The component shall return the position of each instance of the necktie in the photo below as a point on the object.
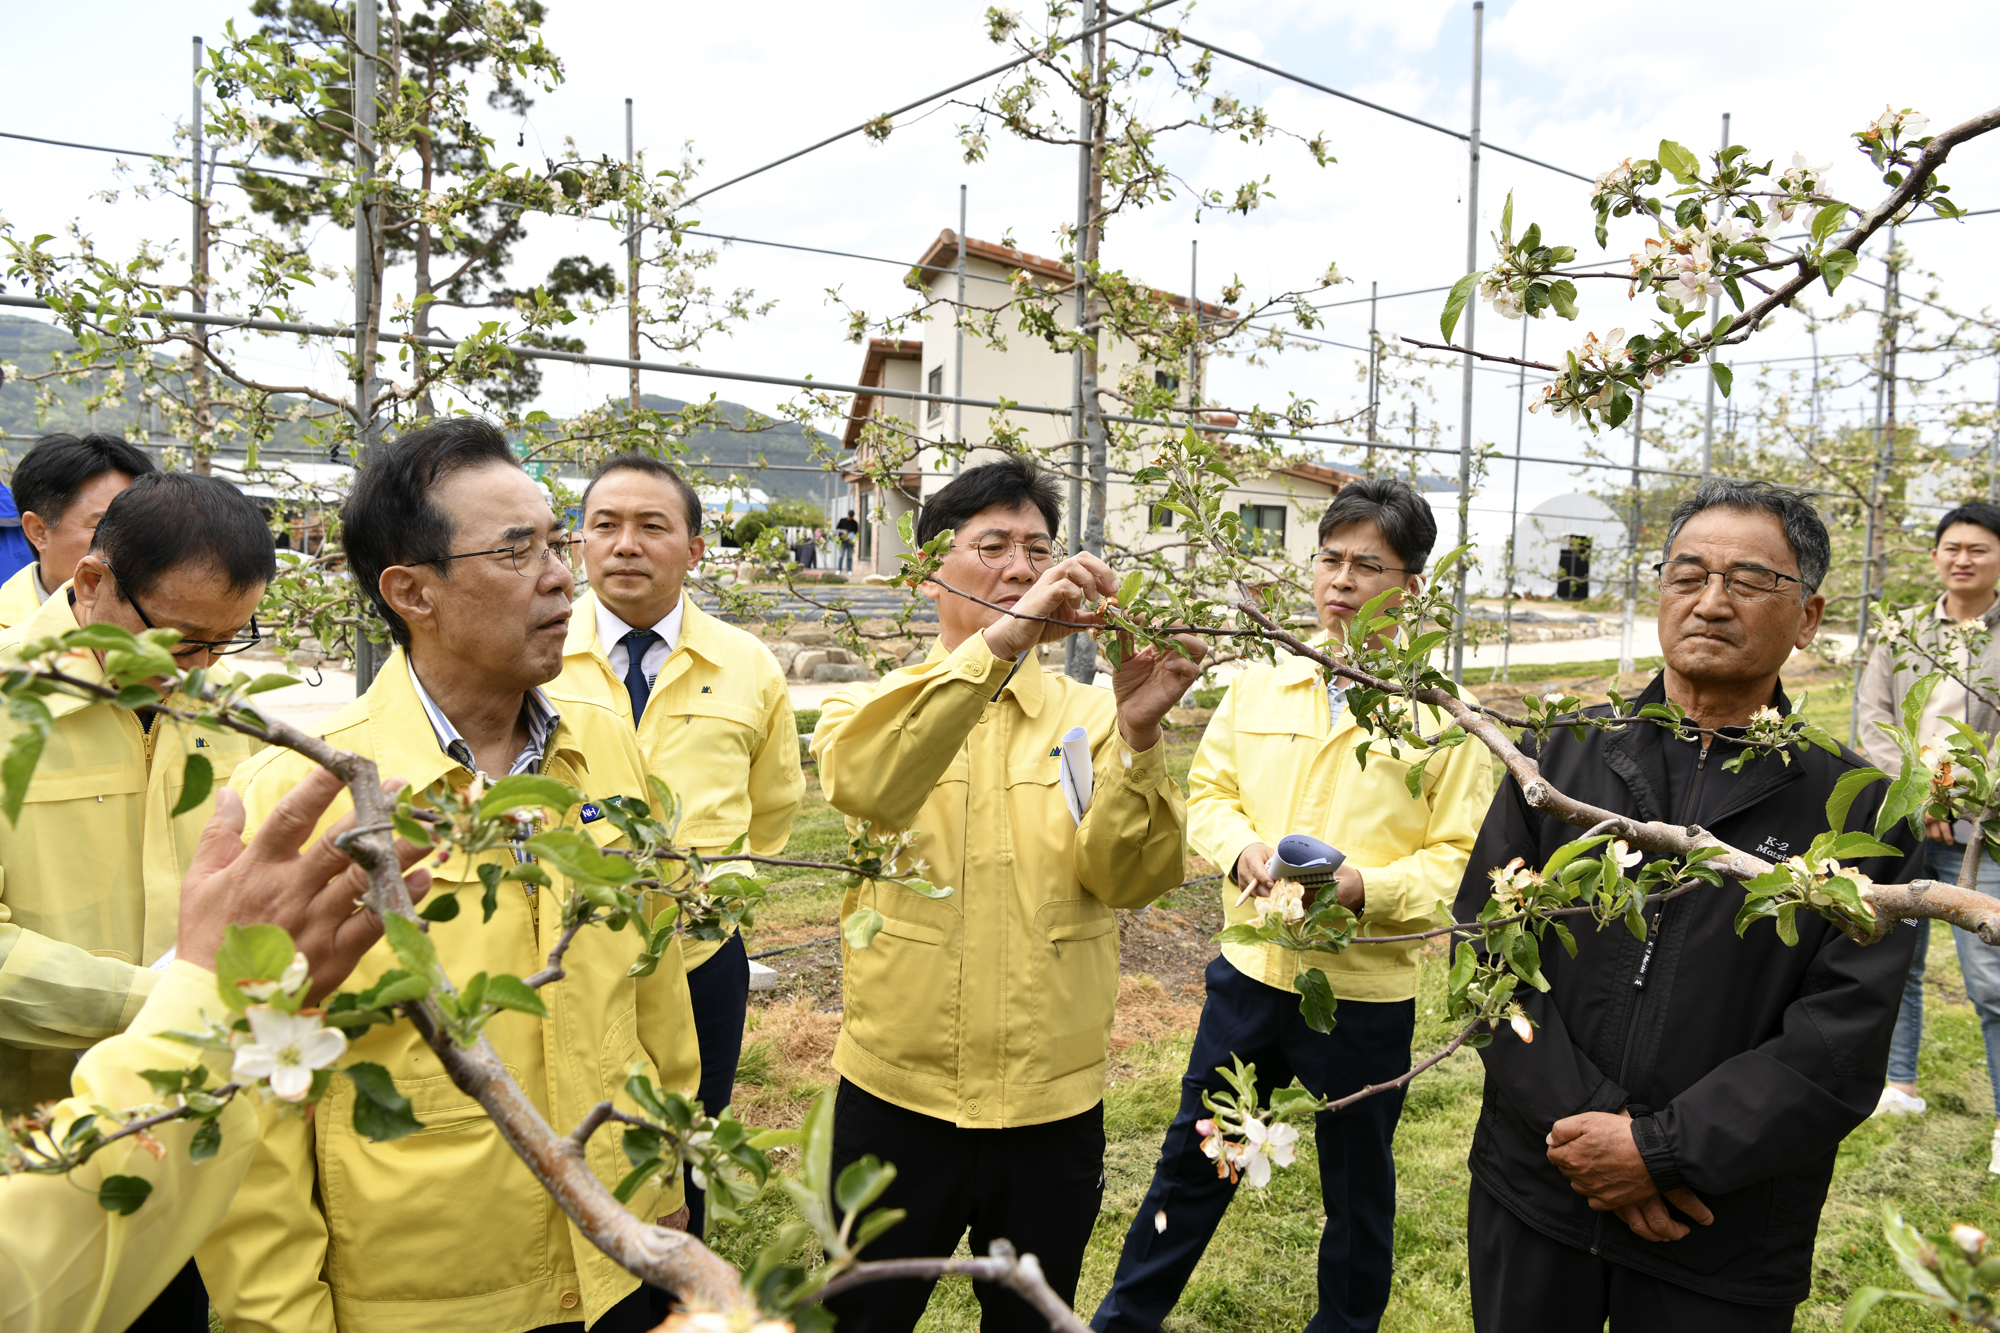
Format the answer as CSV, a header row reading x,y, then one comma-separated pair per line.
x,y
636,685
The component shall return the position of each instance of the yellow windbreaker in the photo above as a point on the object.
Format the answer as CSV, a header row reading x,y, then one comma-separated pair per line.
x,y
992,1007
446,1229
1269,765
718,729
60,1249
18,598
90,876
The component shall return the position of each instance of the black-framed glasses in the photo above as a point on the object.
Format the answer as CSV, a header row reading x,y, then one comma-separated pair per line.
x,y
248,637
1748,583
998,552
529,556
1332,562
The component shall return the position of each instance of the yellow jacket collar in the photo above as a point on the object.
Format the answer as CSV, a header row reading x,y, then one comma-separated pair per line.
x,y
399,731
700,631
1028,683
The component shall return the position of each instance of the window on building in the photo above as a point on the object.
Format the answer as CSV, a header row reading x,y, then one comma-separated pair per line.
x,y
935,387
1161,379
1573,569
1263,527
1159,517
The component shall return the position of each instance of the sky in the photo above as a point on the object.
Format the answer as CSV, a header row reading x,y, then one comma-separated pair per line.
x,y
1577,85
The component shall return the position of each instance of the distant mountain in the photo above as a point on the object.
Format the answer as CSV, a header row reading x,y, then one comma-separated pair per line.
x,y
28,344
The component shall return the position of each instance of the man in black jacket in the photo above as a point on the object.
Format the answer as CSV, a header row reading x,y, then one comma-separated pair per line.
x,y
1659,1154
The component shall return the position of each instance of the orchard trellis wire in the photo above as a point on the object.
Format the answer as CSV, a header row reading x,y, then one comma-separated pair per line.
x,y
1097,19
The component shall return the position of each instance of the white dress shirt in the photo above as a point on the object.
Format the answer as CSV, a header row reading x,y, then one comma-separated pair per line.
x,y
611,632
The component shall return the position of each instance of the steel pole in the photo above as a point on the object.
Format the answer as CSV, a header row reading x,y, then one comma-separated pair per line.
x,y
1514,506
1880,479
1465,415
1080,651
1374,375
958,345
1714,317
1194,348
197,271
366,39
1628,616
631,268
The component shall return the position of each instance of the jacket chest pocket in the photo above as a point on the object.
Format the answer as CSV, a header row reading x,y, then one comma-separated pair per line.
x,y
702,749
1073,979
1039,824
410,1198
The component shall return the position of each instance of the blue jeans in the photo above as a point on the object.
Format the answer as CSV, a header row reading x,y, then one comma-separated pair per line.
x,y
1357,1170
1978,961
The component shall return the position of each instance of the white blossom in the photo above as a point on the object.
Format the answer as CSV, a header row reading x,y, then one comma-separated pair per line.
x,y
1970,1239
293,978
286,1049
1287,902
1522,1027
1625,856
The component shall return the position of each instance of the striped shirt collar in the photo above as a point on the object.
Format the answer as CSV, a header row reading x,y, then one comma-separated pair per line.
x,y
542,722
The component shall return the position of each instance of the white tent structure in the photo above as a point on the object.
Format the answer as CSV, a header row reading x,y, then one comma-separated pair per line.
x,y
1566,545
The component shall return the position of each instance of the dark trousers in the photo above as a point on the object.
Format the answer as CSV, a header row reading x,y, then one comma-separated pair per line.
x,y
1038,1186
1524,1282
720,992
1357,1171
181,1308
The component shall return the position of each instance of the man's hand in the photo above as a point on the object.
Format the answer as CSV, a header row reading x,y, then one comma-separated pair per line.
x,y
314,895
1253,873
1059,594
1938,830
1150,682
1353,890
1596,1152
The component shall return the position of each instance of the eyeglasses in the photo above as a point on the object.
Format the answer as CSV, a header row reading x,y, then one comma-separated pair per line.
x,y
530,556
247,638
1685,578
998,552
1367,569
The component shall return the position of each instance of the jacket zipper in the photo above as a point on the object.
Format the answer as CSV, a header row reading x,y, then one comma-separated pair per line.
x,y
1645,966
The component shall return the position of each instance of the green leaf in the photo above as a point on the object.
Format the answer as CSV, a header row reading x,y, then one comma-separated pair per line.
x,y
250,953
1827,221
862,1183
577,856
439,906
1844,792
1918,699
380,1112
1454,304
123,1194
24,751
270,680
1862,1303
527,791
634,1178
206,1141
1725,378
1835,265
875,1224
489,898
1569,851
197,780
1506,221
1129,590
412,947
1562,295
1684,165
510,992
1316,1002
137,696
861,928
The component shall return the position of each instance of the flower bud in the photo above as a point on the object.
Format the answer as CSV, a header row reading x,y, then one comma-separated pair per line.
x,y
1522,1028
1970,1239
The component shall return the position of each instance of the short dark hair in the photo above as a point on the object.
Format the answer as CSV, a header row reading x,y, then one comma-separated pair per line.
x,y
1976,512
389,518
652,467
57,466
1011,482
1805,532
1404,517
165,520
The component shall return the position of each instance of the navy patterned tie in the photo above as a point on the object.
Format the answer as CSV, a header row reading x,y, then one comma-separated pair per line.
x,y
636,685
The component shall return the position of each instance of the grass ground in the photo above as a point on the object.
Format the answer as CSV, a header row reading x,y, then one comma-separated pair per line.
x,y
1259,1271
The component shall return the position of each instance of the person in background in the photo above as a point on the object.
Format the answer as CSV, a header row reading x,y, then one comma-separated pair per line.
x,y
845,532
1277,758
90,874
1967,559
60,1249
973,1040
1656,1149
709,704
462,557
62,486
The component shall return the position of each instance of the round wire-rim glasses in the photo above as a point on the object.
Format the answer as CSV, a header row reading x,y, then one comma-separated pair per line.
x,y
1685,578
564,548
998,552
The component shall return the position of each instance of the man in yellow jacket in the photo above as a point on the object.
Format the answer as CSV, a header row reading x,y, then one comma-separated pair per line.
x,y
1277,758
464,560
62,487
973,1040
68,1264
90,873
714,720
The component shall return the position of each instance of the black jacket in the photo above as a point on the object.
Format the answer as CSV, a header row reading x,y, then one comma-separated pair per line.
x,y
1754,1059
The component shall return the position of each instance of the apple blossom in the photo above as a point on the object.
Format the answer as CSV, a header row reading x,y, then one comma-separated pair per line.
x,y
286,1049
